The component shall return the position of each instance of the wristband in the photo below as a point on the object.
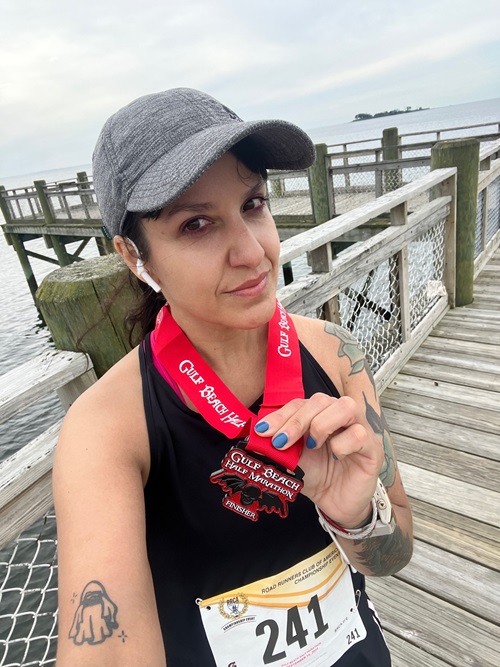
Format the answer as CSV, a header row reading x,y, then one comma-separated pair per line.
x,y
381,522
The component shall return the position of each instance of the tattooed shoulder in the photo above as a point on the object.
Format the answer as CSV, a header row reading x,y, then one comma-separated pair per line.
x,y
351,349
96,616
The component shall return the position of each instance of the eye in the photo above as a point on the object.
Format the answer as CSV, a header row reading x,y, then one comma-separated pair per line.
x,y
255,203
195,225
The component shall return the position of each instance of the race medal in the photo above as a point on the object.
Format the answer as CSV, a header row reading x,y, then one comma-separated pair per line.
x,y
254,485
250,484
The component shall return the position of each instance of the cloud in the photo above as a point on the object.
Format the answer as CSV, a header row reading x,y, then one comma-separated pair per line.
x,y
67,66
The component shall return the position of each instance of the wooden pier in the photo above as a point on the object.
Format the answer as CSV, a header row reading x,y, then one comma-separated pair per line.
x,y
443,409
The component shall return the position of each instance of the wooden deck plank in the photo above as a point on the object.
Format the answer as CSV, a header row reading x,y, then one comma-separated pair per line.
x,y
473,312
463,346
451,435
452,494
447,461
456,360
446,391
404,654
439,628
473,587
484,335
450,412
456,533
469,323
452,374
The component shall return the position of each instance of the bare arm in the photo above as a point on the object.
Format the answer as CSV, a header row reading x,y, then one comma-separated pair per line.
x,y
348,448
389,553
107,608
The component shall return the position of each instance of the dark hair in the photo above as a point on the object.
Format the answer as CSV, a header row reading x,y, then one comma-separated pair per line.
x,y
143,316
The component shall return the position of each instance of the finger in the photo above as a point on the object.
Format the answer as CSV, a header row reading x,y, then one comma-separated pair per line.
x,y
355,439
274,421
333,420
291,422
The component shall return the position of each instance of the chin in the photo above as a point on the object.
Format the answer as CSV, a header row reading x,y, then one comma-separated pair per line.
x,y
258,314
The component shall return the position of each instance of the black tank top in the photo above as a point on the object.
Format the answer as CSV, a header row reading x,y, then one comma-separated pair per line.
x,y
197,548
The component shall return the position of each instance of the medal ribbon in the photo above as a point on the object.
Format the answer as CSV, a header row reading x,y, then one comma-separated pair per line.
x,y
213,399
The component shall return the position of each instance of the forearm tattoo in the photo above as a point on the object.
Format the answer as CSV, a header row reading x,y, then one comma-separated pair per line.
x,y
349,347
380,428
96,616
386,554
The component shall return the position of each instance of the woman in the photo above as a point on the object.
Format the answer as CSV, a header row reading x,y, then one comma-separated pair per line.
x,y
192,530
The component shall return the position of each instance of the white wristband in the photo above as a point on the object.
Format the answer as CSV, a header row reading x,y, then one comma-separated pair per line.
x,y
381,523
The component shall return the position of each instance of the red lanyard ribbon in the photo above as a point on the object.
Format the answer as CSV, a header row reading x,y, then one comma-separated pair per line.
x,y
212,398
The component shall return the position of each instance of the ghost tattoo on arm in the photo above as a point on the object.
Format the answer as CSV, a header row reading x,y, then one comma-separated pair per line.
x,y
95,618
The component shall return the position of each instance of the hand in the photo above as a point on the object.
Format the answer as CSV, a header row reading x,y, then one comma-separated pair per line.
x,y
342,458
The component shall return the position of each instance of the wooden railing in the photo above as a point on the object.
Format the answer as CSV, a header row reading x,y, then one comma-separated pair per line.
x,y
25,477
354,177
436,135
376,279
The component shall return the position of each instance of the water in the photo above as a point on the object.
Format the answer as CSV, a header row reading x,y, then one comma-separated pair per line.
x,y
22,333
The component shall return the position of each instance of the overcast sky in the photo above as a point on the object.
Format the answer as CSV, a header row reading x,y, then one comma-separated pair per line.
x,y
65,66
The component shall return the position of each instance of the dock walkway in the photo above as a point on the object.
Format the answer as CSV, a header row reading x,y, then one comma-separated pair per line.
x,y
443,409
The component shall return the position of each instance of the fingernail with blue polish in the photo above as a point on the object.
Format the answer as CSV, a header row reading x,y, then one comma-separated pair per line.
x,y
280,440
310,442
261,427
334,457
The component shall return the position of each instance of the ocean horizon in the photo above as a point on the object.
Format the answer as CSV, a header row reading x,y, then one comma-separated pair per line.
x,y
434,118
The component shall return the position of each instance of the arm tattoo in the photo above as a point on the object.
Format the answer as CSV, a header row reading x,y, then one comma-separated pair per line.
x,y
386,554
349,347
380,428
95,618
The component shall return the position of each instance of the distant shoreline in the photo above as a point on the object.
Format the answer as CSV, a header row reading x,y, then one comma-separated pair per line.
x,y
381,114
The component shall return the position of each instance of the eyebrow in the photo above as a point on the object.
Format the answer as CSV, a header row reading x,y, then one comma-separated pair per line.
x,y
205,206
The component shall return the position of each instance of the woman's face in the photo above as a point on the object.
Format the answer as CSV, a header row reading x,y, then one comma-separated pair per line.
x,y
215,250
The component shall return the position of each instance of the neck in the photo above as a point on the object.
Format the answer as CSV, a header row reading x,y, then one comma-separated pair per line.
x,y
237,356
230,349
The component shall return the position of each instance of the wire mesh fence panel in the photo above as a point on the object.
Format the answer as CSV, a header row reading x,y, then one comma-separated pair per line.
x,y
370,310
426,272
351,190
478,242
28,597
493,214
289,195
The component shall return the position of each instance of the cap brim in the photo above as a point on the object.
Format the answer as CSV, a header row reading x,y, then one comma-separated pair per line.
x,y
282,145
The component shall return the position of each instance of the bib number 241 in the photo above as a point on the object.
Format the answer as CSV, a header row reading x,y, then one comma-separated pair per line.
x,y
295,630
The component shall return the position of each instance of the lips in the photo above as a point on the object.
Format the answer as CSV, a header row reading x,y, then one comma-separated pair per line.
x,y
252,286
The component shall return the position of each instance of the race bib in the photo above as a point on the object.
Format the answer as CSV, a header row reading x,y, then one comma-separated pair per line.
x,y
306,615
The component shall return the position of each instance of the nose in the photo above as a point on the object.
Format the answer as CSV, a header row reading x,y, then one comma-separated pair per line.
x,y
245,248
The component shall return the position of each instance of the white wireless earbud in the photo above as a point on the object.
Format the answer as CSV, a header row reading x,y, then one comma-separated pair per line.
x,y
139,265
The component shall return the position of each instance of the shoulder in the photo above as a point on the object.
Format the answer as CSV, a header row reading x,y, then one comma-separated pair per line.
x,y
333,347
108,419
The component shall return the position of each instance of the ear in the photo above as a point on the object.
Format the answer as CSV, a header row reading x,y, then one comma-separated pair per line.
x,y
129,253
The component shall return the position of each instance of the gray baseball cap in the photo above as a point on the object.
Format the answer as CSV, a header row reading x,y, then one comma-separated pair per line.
x,y
152,150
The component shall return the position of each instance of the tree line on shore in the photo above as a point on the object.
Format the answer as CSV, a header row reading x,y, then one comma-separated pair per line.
x,y
392,112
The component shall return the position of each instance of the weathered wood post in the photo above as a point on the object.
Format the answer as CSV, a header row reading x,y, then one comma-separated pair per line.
x,y
390,152
16,241
84,306
319,185
59,248
464,155
83,184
